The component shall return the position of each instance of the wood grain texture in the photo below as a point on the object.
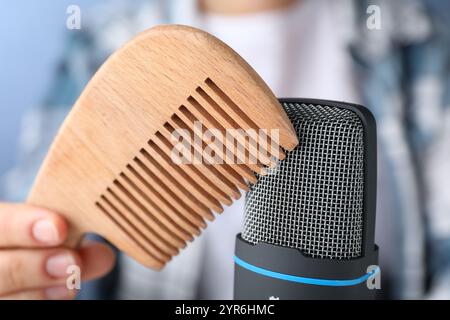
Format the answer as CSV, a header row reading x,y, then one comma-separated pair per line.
x,y
109,169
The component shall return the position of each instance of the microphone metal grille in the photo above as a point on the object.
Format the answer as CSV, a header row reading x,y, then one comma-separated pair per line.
x,y
313,200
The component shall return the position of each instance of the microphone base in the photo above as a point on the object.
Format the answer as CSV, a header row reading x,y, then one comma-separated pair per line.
x,y
264,271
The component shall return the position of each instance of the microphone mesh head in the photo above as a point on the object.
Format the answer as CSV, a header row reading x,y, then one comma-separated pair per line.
x,y
313,200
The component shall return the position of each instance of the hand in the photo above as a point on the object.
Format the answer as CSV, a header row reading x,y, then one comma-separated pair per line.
x,y
33,262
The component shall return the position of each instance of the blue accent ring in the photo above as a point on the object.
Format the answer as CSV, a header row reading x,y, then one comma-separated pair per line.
x,y
313,281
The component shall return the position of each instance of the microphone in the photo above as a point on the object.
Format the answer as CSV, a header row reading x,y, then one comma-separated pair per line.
x,y
309,225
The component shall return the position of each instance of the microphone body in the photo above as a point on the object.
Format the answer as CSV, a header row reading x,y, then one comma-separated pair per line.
x,y
309,224
266,271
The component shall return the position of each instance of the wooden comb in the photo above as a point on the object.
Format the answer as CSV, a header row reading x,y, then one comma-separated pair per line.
x,y
109,169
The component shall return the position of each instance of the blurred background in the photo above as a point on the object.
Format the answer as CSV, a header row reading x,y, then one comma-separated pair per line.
x,y
391,56
32,34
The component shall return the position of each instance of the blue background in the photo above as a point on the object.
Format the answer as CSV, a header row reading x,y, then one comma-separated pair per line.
x,y
32,37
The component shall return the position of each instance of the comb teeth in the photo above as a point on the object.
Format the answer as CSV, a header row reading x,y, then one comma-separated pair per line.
x,y
159,204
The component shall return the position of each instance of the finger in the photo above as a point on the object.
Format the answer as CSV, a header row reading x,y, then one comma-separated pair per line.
x,y
97,258
27,226
52,293
24,269
27,269
26,295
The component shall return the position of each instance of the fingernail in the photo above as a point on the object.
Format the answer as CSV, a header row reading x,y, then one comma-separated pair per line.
x,y
45,231
57,265
57,293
